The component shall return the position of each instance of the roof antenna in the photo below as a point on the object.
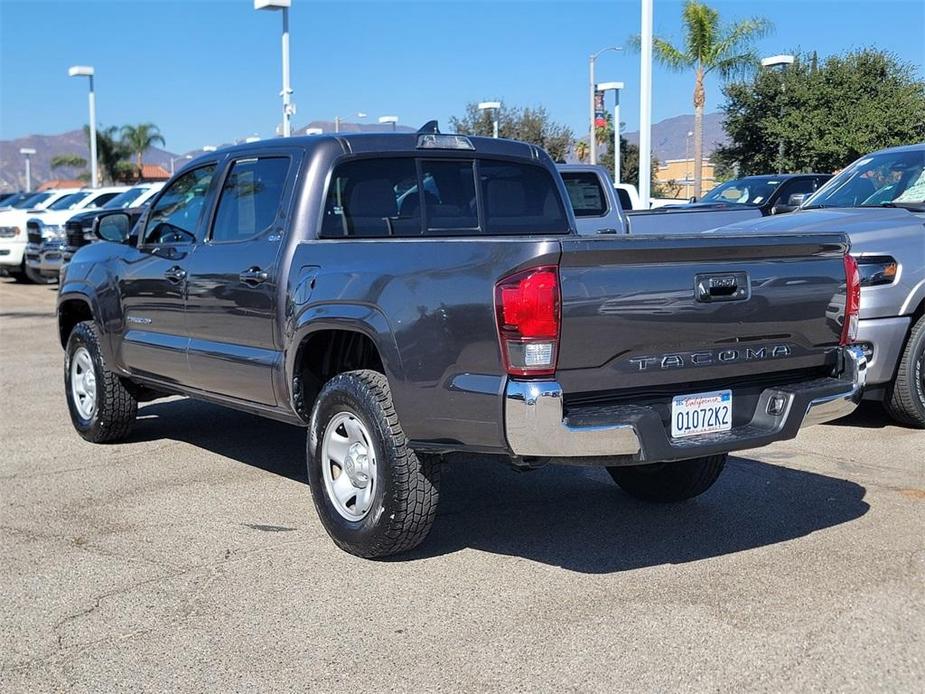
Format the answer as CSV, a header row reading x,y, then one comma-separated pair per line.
x,y
430,127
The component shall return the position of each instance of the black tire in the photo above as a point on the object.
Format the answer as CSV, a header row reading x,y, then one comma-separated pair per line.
x,y
114,414
669,482
36,277
905,397
20,274
406,491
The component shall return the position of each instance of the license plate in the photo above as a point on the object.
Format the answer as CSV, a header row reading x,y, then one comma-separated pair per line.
x,y
701,413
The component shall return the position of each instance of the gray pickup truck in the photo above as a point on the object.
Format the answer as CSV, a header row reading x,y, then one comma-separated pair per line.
x,y
408,296
879,201
599,210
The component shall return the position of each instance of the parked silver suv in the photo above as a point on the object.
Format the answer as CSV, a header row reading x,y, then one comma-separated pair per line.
x,y
879,201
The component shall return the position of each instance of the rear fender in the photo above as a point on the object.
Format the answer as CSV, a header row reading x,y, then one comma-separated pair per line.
x,y
359,318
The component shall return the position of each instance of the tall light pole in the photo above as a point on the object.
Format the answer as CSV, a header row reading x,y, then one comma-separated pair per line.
x,y
781,61
389,119
87,71
174,160
495,108
645,104
27,152
615,87
592,139
288,106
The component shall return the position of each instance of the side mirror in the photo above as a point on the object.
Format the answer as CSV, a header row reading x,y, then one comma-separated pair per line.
x,y
797,199
693,198
114,227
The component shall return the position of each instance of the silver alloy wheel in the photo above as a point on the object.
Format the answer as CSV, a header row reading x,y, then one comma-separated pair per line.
x,y
348,462
83,383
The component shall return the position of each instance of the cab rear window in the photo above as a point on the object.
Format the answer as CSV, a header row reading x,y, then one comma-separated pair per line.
x,y
410,196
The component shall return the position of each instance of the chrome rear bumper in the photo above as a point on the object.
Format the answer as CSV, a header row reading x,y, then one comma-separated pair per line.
x,y
537,425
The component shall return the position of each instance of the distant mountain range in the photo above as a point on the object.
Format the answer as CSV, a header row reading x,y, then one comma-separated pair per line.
x,y
47,147
669,136
669,141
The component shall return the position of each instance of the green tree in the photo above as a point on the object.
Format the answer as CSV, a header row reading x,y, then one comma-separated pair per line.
x,y
140,138
76,163
709,47
112,155
529,124
826,115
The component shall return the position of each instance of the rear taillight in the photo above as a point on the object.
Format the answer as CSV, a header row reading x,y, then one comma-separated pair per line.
x,y
849,331
527,310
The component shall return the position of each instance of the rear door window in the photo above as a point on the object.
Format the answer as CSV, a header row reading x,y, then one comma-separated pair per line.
x,y
408,196
250,198
585,193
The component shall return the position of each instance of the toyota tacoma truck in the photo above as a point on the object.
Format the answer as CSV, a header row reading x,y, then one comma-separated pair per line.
x,y
409,296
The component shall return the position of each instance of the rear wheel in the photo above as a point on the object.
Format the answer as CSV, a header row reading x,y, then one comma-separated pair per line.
x,y
374,495
905,399
667,482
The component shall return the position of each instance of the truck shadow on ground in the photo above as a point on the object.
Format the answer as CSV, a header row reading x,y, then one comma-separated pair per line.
x,y
868,415
575,518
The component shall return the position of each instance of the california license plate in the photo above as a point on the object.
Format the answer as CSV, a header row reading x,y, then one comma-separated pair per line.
x,y
701,413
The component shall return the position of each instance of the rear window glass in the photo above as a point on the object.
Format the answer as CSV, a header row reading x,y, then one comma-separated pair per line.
x,y
585,193
520,199
404,196
624,197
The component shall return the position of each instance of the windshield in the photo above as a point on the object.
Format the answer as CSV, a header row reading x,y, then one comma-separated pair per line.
x,y
68,201
32,201
744,191
15,199
881,179
125,199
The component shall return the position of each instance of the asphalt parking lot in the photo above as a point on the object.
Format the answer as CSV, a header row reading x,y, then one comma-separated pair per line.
x,y
191,559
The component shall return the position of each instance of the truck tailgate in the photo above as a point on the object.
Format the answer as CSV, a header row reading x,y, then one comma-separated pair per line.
x,y
688,310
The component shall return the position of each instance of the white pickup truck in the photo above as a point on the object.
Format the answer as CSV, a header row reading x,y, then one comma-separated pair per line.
x,y
601,208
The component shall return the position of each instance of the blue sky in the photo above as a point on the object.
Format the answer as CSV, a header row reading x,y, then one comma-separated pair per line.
x,y
208,71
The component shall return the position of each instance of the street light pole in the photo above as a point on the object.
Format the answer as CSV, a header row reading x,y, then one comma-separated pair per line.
x,y
389,119
592,138
615,87
173,161
88,71
781,61
645,105
27,152
286,93
495,108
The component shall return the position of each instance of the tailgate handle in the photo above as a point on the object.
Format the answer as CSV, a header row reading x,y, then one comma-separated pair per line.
x,y
727,286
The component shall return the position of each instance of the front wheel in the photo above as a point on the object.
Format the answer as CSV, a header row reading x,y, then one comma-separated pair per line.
x,y
668,482
905,399
37,277
102,409
374,495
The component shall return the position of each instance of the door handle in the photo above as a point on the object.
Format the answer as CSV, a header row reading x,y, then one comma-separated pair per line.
x,y
253,276
176,274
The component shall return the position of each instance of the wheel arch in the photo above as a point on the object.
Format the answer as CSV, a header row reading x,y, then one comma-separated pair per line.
x,y
358,337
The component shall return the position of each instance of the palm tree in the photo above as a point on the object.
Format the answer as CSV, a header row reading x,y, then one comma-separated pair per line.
x,y
709,47
111,153
139,138
581,150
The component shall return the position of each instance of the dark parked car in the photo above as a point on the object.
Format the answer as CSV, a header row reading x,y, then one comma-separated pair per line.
x,y
773,194
408,296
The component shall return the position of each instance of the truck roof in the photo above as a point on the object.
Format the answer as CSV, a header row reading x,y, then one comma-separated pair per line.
x,y
382,142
